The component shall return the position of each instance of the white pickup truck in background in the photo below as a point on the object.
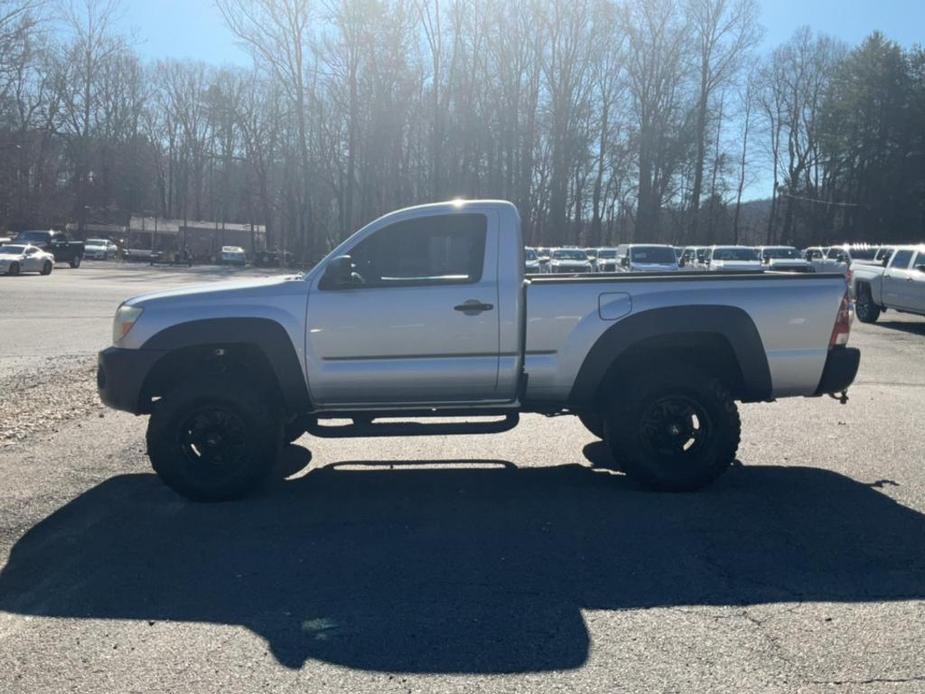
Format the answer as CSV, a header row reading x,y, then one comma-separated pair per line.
x,y
900,285
426,312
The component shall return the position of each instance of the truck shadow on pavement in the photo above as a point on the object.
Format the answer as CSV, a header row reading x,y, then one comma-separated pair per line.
x,y
903,326
451,568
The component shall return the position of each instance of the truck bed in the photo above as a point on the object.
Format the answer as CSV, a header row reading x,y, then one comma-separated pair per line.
x,y
566,314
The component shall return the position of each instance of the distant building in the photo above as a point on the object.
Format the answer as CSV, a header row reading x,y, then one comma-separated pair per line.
x,y
204,239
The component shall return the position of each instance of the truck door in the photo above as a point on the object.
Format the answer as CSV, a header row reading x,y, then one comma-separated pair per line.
x,y
418,322
894,279
915,284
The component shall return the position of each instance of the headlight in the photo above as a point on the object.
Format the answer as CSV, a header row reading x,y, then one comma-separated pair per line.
x,y
122,324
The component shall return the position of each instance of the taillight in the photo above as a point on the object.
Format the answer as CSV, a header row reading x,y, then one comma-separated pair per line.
x,y
842,328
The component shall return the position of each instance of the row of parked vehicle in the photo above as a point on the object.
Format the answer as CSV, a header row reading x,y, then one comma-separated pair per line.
x,y
881,277
39,251
665,258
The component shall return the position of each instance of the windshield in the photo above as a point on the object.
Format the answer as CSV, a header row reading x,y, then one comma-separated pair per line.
x,y
569,255
12,250
653,254
784,252
609,253
33,236
735,254
531,254
863,253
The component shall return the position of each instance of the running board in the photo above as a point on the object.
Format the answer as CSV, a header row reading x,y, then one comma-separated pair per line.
x,y
366,430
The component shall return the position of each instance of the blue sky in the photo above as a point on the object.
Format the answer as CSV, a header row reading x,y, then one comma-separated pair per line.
x,y
194,28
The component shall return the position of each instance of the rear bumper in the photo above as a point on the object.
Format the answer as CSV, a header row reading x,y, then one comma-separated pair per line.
x,y
121,374
841,366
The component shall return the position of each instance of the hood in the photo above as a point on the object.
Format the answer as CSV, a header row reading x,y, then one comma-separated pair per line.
x,y
654,267
239,289
737,265
788,262
571,263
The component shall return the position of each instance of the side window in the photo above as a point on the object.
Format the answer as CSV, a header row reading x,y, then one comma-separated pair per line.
x,y
919,260
901,259
442,249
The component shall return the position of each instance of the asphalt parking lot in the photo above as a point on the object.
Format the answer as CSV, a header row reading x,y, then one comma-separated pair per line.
x,y
504,563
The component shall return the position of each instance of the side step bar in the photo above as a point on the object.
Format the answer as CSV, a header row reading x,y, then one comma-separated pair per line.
x,y
366,430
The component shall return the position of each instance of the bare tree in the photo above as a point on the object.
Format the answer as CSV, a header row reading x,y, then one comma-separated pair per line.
x,y
278,32
724,31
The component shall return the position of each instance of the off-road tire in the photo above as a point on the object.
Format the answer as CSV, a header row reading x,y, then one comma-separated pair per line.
x,y
210,440
654,419
865,308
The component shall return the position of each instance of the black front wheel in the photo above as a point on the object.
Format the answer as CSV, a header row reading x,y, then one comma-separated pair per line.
x,y
676,431
47,267
213,441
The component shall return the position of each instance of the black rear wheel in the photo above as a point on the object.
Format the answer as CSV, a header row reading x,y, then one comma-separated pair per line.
x,y
14,269
867,311
75,261
213,441
676,431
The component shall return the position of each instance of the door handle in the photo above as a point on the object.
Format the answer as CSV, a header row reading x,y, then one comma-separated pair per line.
x,y
473,307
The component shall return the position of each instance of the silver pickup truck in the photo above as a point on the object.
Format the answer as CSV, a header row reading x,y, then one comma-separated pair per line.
x,y
899,284
426,313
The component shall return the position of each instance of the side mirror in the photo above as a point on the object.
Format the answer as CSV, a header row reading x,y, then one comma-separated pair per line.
x,y
339,273
625,261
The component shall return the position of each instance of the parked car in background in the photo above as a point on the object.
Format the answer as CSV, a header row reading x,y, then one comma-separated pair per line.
x,y
815,255
646,258
100,249
839,258
426,312
140,255
59,244
900,285
17,258
5,239
531,262
882,256
606,260
568,260
688,260
233,255
733,259
784,259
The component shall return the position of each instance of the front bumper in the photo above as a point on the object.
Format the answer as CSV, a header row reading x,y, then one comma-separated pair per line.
x,y
841,366
121,374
